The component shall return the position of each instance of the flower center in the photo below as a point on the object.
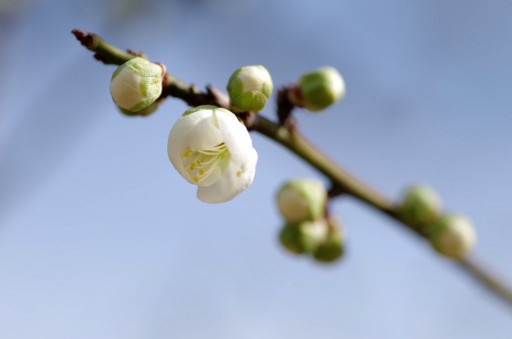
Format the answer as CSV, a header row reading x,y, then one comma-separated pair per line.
x,y
203,164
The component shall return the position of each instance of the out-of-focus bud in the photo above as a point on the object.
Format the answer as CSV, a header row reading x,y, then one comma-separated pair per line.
x,y
453,236
302,199
136,84
249,88
421,205
332,249
304,237
321,88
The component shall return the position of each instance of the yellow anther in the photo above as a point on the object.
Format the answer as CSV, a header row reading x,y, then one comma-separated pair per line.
x,y
193,165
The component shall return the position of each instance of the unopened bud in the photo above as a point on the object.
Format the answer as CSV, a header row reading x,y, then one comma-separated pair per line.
x,y
321,88
304,237
332,249
421,205
453,236
302,199
249,88
136,84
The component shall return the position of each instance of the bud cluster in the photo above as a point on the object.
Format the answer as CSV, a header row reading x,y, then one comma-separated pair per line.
x,y
451,235
307,230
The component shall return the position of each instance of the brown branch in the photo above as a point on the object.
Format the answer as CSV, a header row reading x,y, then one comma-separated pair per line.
x,y
284,134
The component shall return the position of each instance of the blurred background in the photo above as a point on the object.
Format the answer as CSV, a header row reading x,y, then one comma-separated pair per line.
x,y
101,238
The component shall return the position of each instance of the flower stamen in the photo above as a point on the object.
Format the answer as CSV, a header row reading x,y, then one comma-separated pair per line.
x,y
201,164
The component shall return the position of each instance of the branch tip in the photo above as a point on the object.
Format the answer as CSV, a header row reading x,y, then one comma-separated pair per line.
x,y
86,39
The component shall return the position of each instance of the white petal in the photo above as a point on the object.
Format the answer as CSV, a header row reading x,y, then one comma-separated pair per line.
x,y
183,127
178,136
248,168
235,135
232,181
125,89
252,78
204,135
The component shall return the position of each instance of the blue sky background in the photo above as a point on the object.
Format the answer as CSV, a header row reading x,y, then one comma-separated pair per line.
x,y
101,238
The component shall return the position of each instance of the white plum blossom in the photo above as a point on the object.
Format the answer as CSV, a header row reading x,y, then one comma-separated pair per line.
x,y
210,148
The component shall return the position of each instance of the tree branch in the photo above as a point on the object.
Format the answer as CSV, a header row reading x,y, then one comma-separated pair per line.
x,y
291,139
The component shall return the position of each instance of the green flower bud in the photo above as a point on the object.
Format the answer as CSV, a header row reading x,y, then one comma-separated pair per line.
x,y
249,88
302,199
421,205
136,84
304,237
453,236
321,88
332,249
